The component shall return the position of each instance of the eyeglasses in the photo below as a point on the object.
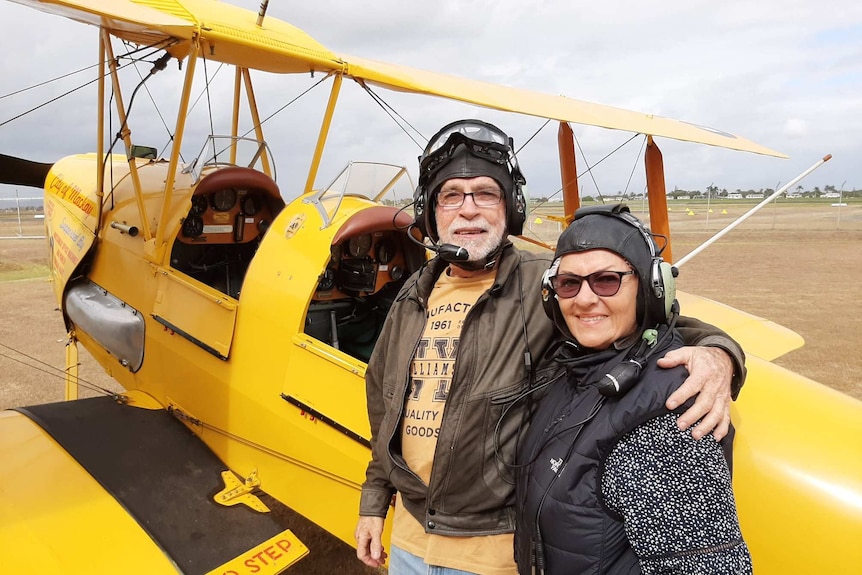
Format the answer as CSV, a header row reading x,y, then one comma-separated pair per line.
x,y
603,283
482,198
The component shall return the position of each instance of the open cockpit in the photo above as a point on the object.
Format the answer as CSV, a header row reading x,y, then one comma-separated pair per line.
x,y
371,257
231,210
370,254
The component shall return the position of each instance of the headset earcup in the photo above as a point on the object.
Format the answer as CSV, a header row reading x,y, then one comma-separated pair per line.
x,y
517,212
420,212
668,283
548,301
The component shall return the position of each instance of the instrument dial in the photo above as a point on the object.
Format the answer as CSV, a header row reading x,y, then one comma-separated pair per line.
x,y
199,205
396,273
224,199
385,251
193,226
249,206
358,246
327,280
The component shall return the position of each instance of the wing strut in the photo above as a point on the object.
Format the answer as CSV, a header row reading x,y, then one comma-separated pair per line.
x,y
127,138
100,134
657,194
255,118
568,170
324,132
157,255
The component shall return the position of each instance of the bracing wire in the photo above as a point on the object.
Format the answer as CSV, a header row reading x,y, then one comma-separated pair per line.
x,y
272,115
209,101
589,168
46,82
67,75
44,367
530,139
153,100
51,101
275,113
204,91
634,167
73,90
390,111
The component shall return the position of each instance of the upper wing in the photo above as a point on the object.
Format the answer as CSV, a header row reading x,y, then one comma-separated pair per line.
x,y
232,35
532,103
141,23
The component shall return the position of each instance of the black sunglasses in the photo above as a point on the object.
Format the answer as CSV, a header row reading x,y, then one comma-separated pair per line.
x,y
603,283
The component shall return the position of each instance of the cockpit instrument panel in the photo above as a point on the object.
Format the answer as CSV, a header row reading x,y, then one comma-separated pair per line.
x,y
362,265
228,215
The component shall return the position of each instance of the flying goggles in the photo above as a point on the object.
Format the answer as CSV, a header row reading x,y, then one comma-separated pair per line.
x,y
481,140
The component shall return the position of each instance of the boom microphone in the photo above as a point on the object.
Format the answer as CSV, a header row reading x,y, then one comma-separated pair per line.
x,y
449,252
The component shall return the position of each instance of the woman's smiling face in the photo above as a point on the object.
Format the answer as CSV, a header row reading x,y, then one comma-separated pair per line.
x,y
595,321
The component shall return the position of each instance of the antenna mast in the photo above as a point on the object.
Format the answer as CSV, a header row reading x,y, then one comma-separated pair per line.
x,y
262,12
752,211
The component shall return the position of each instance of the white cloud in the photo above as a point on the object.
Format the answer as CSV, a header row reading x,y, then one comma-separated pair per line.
x,y
795,128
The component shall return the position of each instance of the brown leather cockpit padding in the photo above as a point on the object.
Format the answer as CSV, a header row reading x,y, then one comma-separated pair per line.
x,y
238,177
374,219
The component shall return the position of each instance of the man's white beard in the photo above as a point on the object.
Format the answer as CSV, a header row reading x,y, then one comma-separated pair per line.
x,y
480,246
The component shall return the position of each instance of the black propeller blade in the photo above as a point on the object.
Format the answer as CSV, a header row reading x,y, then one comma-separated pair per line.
x,y
21,172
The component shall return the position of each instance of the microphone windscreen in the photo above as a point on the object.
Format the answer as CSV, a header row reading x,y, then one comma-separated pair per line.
x,y
452,253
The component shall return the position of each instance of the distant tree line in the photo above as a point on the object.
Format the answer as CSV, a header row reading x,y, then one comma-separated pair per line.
x,y
715,192
23,208
798,191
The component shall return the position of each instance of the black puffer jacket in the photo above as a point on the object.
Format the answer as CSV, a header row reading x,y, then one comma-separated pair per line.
x,y
564,525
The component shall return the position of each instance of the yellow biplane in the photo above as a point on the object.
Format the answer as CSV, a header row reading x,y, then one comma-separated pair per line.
x,y
239,325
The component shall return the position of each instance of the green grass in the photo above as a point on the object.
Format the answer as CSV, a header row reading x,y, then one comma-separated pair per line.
x,y
23,272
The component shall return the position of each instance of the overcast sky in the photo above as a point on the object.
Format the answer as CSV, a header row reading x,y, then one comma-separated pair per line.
x,y
786,74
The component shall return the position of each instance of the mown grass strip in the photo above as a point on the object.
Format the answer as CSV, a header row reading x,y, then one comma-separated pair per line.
x,y
23,272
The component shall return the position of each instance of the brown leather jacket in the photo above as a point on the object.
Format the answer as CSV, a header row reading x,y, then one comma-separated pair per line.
x,y
471,491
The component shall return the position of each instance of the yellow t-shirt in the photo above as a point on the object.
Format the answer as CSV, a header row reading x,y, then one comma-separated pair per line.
x,y
430,377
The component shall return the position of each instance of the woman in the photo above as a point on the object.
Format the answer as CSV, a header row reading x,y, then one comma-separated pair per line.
x,y
607,482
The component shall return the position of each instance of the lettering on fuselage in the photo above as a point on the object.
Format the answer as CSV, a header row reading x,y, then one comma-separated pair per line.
x,y
67,247
271,557
71,193
76,238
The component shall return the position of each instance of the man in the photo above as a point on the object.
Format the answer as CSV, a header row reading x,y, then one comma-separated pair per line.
x,y
452,376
